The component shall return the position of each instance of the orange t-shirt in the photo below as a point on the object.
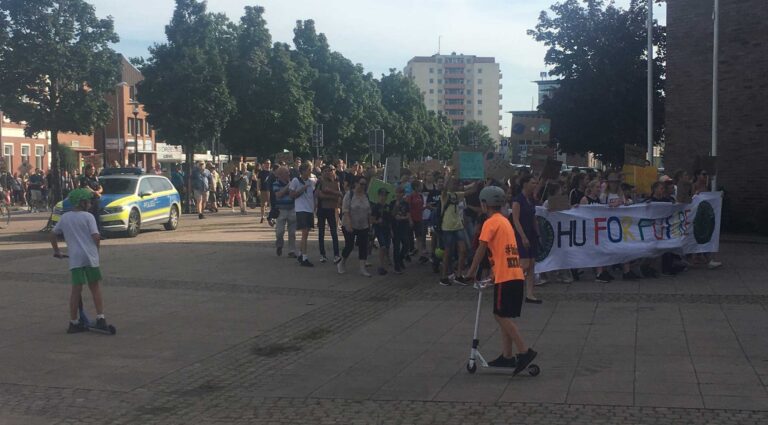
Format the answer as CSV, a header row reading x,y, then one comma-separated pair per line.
x,y
505,261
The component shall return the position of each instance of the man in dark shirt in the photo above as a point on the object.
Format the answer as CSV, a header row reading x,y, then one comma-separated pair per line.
x,y
381,212
264,186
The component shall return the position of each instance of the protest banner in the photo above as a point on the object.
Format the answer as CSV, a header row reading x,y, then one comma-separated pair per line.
x,y
392,170
642,178
373,190
596,235
286,157
634,155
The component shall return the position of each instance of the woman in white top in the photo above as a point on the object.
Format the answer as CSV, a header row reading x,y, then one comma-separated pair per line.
x,y
355,224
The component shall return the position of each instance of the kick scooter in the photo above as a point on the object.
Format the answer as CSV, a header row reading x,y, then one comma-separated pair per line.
x,y
475,357
83,318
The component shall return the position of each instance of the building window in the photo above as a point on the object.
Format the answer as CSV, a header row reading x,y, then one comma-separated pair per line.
x,y
479,101
130,126
431,70
8,155
25,154
479,81
439,102
431,91
439,60
439,81
469,91
479,112
132,92
439,91
431,81
141,127
469,102
39,150
147,129
439,70
479,91
479,70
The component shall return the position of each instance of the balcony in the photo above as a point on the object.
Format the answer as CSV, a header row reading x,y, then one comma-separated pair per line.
x,y
454,107
453,86
455,96
450,75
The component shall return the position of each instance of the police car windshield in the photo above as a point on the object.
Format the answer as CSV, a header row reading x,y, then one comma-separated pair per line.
x,y
118,186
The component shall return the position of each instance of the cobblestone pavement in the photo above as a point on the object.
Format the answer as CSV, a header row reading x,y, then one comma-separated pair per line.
x,y
219,335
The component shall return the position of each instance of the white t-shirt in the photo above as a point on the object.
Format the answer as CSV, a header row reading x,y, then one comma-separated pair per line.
x,y
306,201
78,228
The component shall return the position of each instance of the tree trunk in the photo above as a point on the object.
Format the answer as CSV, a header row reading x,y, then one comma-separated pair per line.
x,y
55,172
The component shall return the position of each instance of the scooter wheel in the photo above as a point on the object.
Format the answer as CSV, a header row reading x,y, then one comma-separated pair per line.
x,y
471,367
112,330
534,370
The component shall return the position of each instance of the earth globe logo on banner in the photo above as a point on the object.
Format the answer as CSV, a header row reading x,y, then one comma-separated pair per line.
x,y
546,238
704,223
518,128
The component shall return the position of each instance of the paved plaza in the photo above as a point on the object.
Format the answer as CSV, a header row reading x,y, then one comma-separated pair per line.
x,y
213,328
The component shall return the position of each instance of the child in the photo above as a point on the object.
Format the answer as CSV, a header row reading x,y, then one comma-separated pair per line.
x,y
509,288
382,227
82,236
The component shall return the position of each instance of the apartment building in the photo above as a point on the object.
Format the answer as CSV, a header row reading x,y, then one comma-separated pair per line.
x,y
463,87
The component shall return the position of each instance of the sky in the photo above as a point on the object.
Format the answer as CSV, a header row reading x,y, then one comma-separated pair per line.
x,y
379,34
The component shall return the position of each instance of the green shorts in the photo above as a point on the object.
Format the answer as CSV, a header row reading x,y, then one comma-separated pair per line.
x,y
84,275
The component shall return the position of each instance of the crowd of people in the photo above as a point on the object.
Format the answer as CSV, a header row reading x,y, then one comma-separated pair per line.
x,y
426,218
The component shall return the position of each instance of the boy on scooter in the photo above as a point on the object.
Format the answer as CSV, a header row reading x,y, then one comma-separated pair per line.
x,y
509,280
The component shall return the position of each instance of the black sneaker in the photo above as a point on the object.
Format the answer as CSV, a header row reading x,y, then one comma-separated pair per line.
x,y
382,271
280,251
445,281
423,260
200,216
603,277
461,280
630,275
76,328
524,359
305,263
502,361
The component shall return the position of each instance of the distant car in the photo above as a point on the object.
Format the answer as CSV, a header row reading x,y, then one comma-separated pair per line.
x,y
131,201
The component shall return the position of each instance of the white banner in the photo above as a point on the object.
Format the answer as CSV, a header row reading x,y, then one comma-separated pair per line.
x,y
597,235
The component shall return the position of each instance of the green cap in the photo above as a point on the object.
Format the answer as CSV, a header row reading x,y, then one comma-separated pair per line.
x,y
78,195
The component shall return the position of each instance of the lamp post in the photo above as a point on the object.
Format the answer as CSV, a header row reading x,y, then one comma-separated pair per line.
x,y
135,133
118,120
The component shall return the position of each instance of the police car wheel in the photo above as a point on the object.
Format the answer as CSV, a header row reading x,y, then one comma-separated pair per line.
x,y
173,219
134,224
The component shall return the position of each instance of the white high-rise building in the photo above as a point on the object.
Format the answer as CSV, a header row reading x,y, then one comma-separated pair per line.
x,y
463,87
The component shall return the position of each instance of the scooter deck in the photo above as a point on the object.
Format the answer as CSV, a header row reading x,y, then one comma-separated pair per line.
x,y
110,330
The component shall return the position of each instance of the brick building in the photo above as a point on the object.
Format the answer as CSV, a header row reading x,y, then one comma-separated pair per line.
x,y
743,109
118,138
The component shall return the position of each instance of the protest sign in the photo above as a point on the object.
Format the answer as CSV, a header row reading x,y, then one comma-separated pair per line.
x,y
634,155
551,169
286,157
392,170
470,165
498,168
373,190
433,165
595,235
640,177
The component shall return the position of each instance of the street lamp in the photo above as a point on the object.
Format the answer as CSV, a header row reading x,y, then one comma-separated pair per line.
x,y
118,120
135,133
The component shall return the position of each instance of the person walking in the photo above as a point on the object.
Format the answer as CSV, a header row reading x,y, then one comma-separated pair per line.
x,y
302,190
200,187
401,229
264,182
356,218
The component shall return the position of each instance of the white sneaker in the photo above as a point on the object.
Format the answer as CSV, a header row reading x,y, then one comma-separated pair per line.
x,y
323,259
336,259
713,264
340,267
540,280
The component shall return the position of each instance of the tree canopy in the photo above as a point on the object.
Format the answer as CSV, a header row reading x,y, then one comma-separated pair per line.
x,y
598,51
55,68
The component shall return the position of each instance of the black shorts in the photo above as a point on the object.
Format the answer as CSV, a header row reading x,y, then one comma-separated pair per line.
x,y
305,220
508,298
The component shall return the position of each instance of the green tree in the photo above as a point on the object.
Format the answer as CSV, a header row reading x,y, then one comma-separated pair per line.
x,y
475,133
274,111
185,83
55,68
408,118
599,53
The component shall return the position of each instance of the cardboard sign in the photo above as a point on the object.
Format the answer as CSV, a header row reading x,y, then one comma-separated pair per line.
x,y
634,155
392,170
640,177
498,168
558,203
551,169
470,165
286,157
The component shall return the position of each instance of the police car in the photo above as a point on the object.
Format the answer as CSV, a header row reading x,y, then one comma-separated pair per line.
x,y
131,200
